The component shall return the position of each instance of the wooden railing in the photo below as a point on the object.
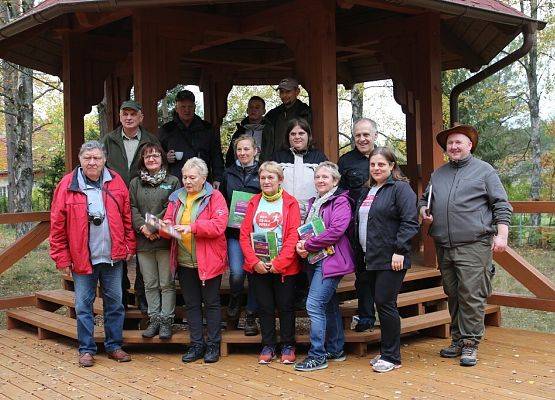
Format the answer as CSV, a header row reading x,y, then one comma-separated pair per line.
x,y
510,260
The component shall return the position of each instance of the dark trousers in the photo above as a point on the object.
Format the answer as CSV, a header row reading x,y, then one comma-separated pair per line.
x,y
385,287
138,286
194,295
273,290
366,310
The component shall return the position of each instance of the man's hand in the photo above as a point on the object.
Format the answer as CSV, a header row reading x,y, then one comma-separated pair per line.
x,y
65,270
397,262
129,257
260,268
171,156
216,185
499,244
426,215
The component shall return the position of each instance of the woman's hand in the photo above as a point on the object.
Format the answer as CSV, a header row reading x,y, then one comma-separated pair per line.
x,y
301,251
260,268
183,229
144,230
271,269
397,262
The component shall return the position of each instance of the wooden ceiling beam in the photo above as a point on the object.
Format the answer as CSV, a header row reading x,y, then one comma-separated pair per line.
x,y
229,37
379,4
85,21
270,65
270,17
249,66
455,45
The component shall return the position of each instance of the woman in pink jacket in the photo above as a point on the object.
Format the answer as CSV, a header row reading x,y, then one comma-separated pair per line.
x,y
199,213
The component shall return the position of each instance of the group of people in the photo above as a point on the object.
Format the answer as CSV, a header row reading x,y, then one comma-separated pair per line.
x,y
368,210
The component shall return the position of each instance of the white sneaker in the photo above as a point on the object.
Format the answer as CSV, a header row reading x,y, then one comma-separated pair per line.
x,y
384,366
375,360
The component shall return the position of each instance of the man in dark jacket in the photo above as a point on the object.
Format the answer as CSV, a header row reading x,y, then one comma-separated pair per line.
x,y
354,168
123,148
470,216
279,117
252,124
187,136
123,145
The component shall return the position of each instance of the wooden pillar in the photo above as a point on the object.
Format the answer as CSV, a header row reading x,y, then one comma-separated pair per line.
x,y
215,88
74,98
145,74
429,117
116,90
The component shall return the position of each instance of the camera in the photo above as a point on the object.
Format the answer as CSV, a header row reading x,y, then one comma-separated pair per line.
x,y
96,218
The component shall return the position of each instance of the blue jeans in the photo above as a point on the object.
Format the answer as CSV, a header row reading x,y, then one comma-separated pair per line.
x,y
85,293
237,273
326,326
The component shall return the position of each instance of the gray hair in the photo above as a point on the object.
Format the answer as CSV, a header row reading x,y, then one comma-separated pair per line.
x,y
92,145
272,167
372,123
197,163
331,167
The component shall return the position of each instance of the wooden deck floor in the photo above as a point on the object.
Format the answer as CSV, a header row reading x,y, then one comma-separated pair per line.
x,y
513,365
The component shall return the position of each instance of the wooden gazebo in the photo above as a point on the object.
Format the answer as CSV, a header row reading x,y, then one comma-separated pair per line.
x,y
104,48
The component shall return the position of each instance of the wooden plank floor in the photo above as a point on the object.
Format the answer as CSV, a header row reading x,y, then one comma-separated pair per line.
x,y
514,364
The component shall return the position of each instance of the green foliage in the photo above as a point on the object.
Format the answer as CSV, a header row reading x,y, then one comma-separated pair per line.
x,y
53,172
3,204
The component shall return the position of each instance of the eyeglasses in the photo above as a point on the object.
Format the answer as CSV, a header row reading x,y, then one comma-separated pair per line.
x,y
153,155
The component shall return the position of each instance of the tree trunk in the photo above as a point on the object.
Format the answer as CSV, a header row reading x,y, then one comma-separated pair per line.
x,y
357,104
102,117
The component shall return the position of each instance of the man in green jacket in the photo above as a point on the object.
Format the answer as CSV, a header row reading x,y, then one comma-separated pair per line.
x,y
123,148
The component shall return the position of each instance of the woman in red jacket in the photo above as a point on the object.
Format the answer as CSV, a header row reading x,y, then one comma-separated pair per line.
x,y
199,213
273,215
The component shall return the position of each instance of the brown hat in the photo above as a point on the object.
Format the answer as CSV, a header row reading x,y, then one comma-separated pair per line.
x,y
467,130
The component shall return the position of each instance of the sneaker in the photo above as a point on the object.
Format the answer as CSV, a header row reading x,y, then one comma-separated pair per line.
x,y
194,352
341,356
212,354
384,366
375,360
288,355
251,329
363,327
469,353
267,354
454,350
311,364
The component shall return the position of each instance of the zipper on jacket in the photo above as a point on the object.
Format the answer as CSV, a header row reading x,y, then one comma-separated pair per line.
x,y
448,200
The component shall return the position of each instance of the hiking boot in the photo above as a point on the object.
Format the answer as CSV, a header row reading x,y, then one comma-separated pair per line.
x,y
341,356
194,352
267,354
251,328
86,360
364,326
153,327
454,350
166,328
384,366
119,355
469,353
288,354
234,306
212,353
311,364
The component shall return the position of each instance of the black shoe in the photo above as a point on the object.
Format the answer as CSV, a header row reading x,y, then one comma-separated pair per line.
x,y
212,354
195,352
143,305
364,326
153,327
166,328
234,307
251,328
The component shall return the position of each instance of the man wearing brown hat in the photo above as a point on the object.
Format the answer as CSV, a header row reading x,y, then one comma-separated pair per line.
x,y
470,216
277,119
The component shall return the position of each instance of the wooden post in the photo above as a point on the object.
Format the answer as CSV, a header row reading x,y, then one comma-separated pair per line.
x,y
215,88
430,117
116,90
74,98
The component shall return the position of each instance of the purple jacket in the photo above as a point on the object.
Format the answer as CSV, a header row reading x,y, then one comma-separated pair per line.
x,y
336,213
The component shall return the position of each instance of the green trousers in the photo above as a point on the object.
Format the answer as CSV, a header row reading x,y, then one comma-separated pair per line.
x,y
466,273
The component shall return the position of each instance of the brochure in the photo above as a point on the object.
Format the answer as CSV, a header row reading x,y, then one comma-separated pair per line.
x,y
310,229
238,208
157,224
265,245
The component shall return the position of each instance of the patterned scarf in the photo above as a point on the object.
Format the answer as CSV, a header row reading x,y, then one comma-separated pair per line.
x,y
315,209
153,180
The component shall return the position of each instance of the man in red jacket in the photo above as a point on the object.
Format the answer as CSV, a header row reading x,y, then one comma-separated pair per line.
x,y
90,236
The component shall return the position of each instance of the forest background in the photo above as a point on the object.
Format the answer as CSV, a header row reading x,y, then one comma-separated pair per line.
x,y
514,111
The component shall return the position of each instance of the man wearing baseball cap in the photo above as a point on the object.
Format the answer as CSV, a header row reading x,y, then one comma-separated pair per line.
x,y
123,148
274,132
469,215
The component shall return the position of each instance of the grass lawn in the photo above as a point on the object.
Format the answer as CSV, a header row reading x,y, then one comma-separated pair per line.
x,y
36,272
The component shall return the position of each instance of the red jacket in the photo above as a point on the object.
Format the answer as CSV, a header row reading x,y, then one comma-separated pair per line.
x,y
208,230
287,262
69,223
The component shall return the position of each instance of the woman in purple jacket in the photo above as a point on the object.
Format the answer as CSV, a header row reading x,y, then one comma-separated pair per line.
x,y
326,327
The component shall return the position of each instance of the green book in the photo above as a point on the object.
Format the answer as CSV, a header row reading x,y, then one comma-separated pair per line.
x,y
310,229
265,245
238,208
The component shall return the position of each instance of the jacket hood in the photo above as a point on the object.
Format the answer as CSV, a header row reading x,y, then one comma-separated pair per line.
x,y
74,184
175,195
